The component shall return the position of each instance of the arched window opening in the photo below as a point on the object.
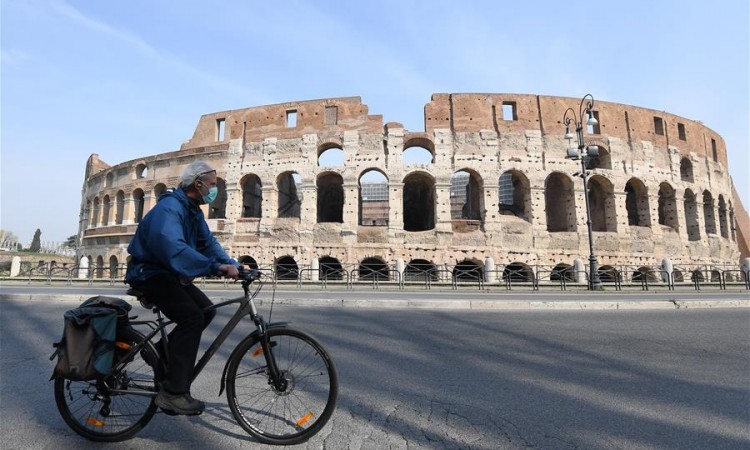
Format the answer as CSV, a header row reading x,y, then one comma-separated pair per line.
x,y
723,217
514,192
636,203
290,194
602,202
419,202
467,201
667,206
106,206
119,207
691,216
373,269
109,180
218,208
708,213
99,267
331,157
715,276
677,276
330,198
330,268
159,190
252,196
518,272
562,271
607,274
249,261
420,270
373,199
141,171
601,161
138,197
418,155
286,268
645,274
95,213
468,270
559,203
686,170
114,268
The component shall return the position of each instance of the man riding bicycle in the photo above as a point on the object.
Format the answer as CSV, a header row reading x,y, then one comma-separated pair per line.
x,y
170,248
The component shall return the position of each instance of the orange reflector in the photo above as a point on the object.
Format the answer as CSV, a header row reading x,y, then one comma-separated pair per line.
x,y
122,345
258,352
304,419
94,422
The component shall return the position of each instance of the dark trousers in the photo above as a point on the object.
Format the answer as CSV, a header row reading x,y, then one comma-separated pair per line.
x,y
182,304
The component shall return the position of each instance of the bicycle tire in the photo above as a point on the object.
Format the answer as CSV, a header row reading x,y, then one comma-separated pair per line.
x,y
88,408
298,413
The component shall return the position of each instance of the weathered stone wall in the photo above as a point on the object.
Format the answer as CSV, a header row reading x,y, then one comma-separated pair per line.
x,y
483,134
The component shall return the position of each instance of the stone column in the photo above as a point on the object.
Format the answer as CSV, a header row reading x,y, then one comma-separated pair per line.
x,y
395,207
351,207
443,207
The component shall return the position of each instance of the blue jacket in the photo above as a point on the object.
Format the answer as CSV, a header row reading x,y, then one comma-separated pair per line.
x,y
174,238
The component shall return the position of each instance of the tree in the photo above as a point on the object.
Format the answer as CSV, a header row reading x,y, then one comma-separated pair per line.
x,y
71,241
36,243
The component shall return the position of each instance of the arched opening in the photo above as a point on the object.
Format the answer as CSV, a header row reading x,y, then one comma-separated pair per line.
x,y
420,270
691,216
119,207
330,198
138,197
686,170
559,201
515,194
468,270
159,190
607,274
677,276
330,268
697,275
99,267
636,203
114,272
373,269
248,261
602,202
374,205
109,180
332,156
518,272
418,151
601,161
252,196
708,213
667,206
218,208
106,205
290,196
467,201
286,268
645,274
419,202
723,217
141,171
562,272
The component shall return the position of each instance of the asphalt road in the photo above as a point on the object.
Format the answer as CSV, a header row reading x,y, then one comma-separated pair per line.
x,y
445,379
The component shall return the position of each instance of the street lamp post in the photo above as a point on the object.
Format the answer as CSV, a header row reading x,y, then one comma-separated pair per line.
x,y
584,153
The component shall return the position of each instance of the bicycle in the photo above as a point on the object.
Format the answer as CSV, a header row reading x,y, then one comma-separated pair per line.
x,y
281,384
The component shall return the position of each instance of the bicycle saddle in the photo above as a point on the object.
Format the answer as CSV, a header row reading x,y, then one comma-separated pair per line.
x,y
141,296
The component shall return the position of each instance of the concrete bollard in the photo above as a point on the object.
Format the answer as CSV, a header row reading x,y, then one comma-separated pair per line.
x,y
579,272
315,269
15,266
83,268
489,270
667,269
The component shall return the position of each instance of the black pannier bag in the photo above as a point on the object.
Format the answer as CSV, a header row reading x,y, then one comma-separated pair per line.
x,y
86,350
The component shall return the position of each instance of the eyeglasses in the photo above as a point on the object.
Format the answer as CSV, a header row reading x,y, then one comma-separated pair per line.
x,y
200,175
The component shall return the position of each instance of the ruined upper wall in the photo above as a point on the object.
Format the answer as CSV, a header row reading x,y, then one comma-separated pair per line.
x,y
475,112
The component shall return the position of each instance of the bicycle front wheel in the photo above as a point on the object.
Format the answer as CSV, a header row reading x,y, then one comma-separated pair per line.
x,y
298,411
117,406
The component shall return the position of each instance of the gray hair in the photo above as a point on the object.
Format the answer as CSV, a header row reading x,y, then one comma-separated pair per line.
x,y
194,171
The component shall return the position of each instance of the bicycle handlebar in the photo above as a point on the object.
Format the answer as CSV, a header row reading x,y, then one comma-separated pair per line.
x,y
249,275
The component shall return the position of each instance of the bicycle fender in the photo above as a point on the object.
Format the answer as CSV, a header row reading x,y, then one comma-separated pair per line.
x,y
251,336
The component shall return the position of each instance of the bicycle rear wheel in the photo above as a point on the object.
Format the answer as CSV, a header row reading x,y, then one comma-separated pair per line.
x,y
287,416
101,410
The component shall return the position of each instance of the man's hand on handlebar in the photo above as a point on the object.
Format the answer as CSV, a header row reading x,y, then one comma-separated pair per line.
x,y
229,271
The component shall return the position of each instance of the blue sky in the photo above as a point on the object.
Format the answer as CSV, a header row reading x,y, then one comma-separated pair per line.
x,y
129,79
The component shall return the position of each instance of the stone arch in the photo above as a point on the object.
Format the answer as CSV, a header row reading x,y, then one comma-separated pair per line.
x,y
252,196
516,272
686,170
218,208
286,268
138,200
636,203
330,268
514,191
420,270
374,206
373,268
290,197
119,207
100,266
668,206
723,229
467,200
141,170
691,216
114,267
96,211
563,271
159,190
330,197
708,212
602,203
608,274
418,150
247,260
109,180
419,202
645,273
602,161
468,270
559,200
330,155
106,206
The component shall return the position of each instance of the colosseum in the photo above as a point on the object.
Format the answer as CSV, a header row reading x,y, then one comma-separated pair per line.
x,y
321,188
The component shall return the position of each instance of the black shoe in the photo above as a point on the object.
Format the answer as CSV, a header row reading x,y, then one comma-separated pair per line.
x,y
183,404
